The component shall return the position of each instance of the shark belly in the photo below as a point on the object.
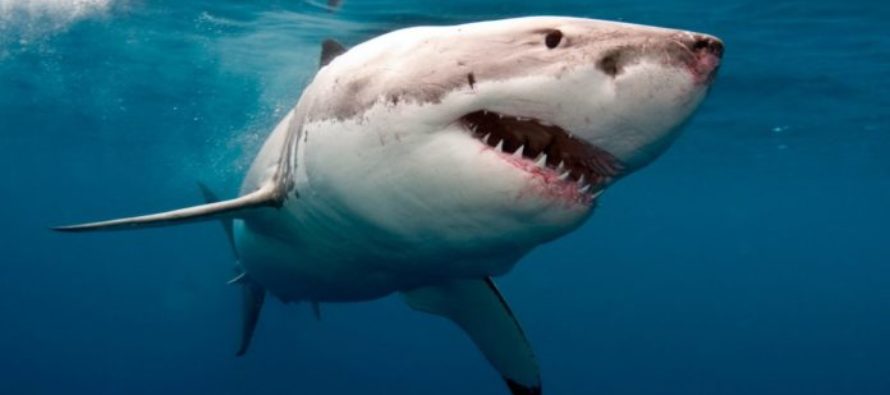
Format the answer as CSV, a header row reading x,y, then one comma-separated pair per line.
x,y
293,273
307,255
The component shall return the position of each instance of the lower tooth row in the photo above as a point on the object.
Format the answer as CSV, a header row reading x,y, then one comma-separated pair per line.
x,y
518,152
541,161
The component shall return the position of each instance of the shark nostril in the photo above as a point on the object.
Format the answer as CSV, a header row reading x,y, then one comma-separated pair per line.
x,y
610,64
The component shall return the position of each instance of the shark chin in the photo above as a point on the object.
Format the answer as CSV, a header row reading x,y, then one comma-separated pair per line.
x,y
429,160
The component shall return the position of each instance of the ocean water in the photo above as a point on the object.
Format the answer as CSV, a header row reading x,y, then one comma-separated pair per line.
x,y
752,258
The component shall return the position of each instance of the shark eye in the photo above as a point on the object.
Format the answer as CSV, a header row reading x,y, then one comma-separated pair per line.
x,y
553,38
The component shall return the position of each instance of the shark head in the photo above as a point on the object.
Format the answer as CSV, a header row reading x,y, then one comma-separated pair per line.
x,y
503,131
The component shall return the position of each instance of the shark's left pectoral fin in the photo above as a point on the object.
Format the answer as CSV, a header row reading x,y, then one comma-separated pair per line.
x,y
479,309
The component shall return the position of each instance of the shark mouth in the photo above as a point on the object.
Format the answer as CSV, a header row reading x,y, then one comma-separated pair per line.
x,y
565,161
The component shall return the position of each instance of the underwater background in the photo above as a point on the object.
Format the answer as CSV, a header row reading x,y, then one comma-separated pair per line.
x,y
752,258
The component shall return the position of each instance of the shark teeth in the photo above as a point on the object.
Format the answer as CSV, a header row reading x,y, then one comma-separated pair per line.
x,y
597,194
519,151
238,279
582,166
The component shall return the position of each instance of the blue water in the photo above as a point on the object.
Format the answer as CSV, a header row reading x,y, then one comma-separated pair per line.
x,y
752,258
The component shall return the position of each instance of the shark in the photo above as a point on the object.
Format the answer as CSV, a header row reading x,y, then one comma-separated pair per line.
x,y
429,160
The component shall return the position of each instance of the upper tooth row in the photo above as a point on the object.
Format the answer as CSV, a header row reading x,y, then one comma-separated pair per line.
x,y
485,112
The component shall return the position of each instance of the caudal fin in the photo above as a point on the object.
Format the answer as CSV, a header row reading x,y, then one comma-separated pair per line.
x,y
252,302
267,196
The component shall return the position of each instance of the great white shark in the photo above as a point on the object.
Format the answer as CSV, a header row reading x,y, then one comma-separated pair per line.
x,y
430,159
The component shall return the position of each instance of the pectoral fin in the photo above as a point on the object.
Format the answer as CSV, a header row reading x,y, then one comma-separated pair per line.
x,y
479,309
267,196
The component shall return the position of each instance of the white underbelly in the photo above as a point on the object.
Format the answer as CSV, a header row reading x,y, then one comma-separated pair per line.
x,y
352,268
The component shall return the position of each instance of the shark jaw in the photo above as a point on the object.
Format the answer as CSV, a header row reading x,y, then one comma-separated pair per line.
x,y
567,168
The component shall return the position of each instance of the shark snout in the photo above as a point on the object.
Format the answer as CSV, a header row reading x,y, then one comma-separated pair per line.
x,y
705,44
699,53
707,52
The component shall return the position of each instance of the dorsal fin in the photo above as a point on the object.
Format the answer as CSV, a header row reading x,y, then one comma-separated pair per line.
x,y
266,196
330,49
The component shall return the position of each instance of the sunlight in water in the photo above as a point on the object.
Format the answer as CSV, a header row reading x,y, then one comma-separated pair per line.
x,y
28,19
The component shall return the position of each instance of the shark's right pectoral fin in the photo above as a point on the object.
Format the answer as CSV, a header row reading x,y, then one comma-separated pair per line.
x,y
479,309
267,196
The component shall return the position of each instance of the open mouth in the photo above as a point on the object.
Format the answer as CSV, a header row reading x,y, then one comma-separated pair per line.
x,y
563,160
